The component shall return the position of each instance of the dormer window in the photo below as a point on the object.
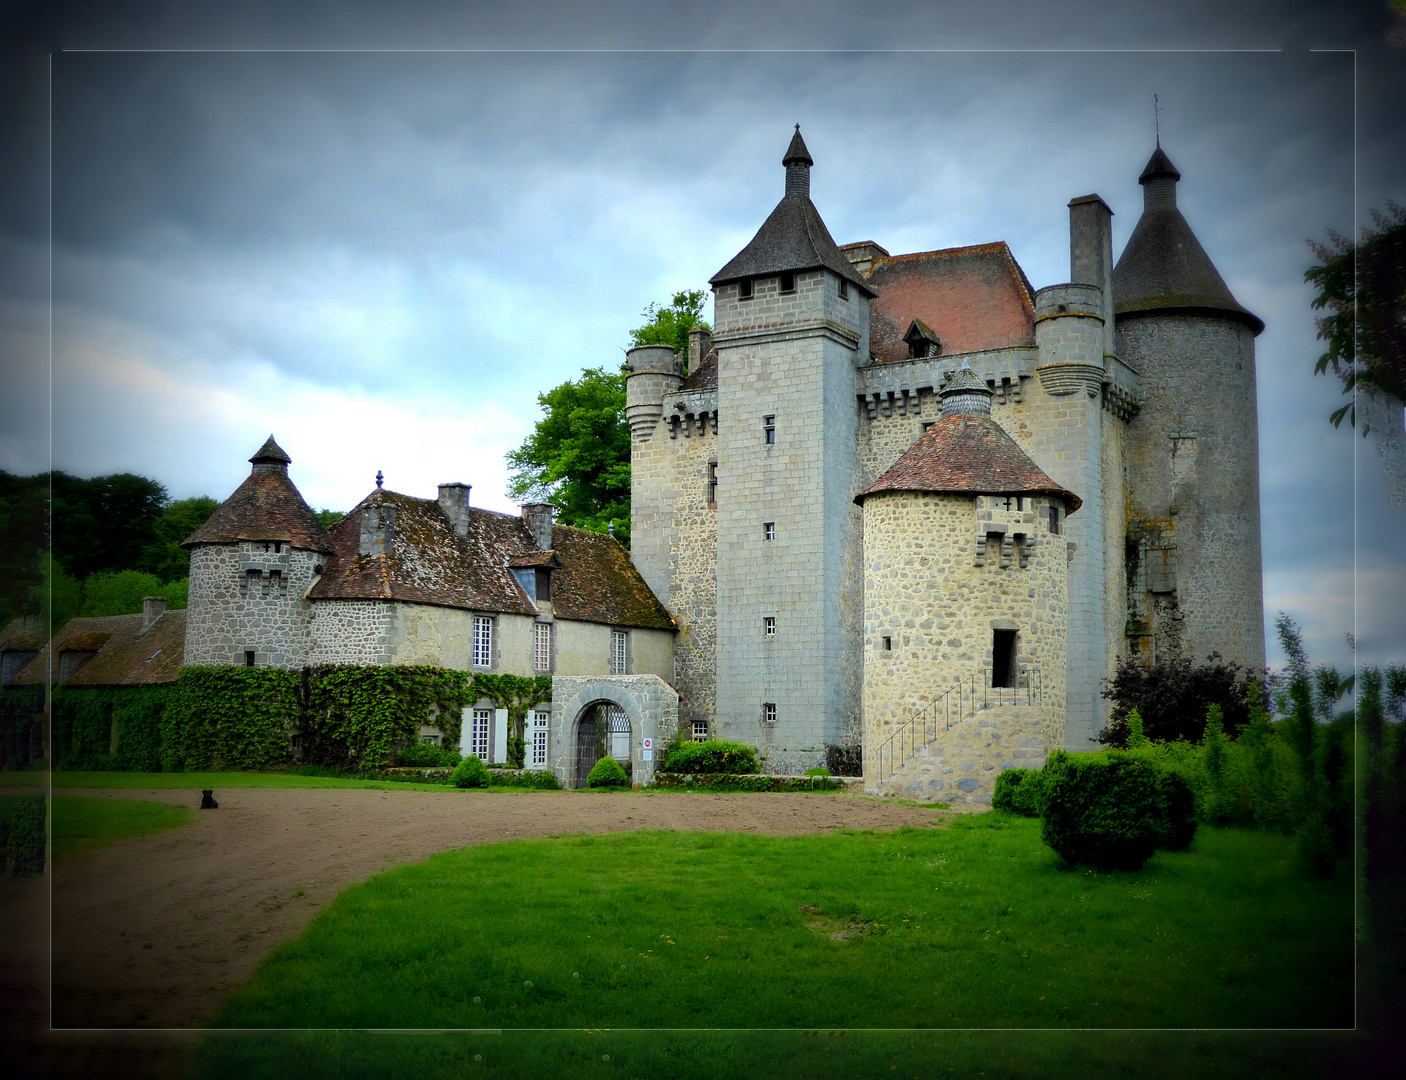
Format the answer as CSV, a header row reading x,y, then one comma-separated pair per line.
x,y
922,341
744,289
543,583
786,283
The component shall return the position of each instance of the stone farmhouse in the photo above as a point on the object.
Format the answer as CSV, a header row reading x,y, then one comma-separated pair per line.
x,y
906,501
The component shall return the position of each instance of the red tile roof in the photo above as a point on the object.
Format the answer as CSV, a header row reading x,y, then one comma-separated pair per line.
x,y
973,298
429,563
968,453
125,655
265,507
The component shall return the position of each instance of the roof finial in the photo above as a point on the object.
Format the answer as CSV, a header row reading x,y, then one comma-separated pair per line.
x,y
1157,120
379,479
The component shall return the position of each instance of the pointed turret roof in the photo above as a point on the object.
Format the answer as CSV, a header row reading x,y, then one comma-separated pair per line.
x,y
794,237
968,454
265,507
1163,267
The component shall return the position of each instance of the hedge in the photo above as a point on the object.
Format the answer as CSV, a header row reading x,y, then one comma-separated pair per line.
x,y
710,756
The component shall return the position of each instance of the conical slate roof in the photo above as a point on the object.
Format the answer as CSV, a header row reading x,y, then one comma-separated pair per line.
x,y
968,454
793,238
265,507
1163,267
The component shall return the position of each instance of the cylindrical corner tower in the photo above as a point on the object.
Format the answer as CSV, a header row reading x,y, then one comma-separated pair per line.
x,y
1195,582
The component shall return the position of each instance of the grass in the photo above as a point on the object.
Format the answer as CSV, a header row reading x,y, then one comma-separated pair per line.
x,y
88,824
777,1055
972,926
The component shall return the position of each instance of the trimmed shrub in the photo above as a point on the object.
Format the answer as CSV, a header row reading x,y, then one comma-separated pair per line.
x,y
470,773
1112,810
24,837
1018,791
712,756
531,779
819,770
607,774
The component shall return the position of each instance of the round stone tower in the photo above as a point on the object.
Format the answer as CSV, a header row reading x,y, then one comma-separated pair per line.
x,y
250,566
1194,579
965,608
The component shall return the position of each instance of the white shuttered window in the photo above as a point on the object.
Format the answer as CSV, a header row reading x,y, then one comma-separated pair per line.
x,y
483,641
540,720
478,740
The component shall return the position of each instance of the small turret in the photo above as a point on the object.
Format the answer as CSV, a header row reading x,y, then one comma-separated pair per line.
x,y
651,371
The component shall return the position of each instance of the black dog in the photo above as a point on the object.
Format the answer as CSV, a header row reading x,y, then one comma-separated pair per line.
x,y
207,800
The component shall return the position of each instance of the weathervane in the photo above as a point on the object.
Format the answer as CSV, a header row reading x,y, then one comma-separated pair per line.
x,y
379,479
1157,121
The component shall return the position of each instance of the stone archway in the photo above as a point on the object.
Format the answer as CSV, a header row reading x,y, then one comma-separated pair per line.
x,y
642,708
603,729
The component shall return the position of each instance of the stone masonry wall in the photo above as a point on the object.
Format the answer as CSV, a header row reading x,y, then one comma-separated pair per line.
x,y
353,632
247,597
924,592
791,356
1194,473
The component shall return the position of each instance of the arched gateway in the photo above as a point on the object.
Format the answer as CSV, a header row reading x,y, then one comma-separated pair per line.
x,y
615,715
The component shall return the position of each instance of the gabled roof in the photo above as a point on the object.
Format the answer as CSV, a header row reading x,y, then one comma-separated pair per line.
x,y
971,298
1164,267
968,454
125,655
792,238
427,562
265,507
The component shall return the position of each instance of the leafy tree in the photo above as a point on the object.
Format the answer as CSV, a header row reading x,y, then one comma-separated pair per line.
x,y
164,556
122,592
1363,287
1172,698
105,523
328,518
670,325
56,596
24,523
578,456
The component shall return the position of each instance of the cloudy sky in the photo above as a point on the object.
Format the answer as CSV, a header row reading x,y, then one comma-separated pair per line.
x,y
380,239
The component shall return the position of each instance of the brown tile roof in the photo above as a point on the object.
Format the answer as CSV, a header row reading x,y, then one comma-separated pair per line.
x,y
968,453
536,558
705,375
793,237
429,563
16,637
972,298
125,655
265,507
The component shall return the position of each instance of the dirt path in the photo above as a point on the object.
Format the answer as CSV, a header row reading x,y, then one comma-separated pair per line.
x,y
156,931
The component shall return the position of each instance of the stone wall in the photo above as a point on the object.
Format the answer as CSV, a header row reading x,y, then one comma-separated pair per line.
x,y
792,357
247,597
924,592
353,632
650,704
1194,476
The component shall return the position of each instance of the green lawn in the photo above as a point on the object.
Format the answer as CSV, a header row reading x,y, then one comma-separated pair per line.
x,y
971,926
88,824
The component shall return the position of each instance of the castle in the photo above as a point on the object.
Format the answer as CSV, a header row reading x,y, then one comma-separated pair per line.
x,y
911,497
903,500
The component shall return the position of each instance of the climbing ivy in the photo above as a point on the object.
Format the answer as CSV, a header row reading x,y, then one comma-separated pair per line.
x,y
21,707
229,718
84,718
517,694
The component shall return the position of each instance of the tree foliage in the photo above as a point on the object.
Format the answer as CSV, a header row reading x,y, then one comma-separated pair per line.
x,y
164,555
578,456
1362,288
670,325
1172,697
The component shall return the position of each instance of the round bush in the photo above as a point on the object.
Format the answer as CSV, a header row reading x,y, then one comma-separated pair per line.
x,y
607,774
711,756
819,770
1112,810
1018,791
470,773
426,755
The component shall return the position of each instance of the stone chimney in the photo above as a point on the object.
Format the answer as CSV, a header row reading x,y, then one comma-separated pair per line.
x,y
1091,254
377,529
539,522
454,501
700,344
153,607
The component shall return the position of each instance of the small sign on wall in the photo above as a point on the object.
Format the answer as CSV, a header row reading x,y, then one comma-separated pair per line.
x,y
647,750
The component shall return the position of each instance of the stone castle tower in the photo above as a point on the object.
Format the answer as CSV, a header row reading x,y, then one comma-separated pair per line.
x,y
251,566
1129,389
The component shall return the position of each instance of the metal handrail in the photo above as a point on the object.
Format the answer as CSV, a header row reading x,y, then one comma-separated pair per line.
x,y
925,725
